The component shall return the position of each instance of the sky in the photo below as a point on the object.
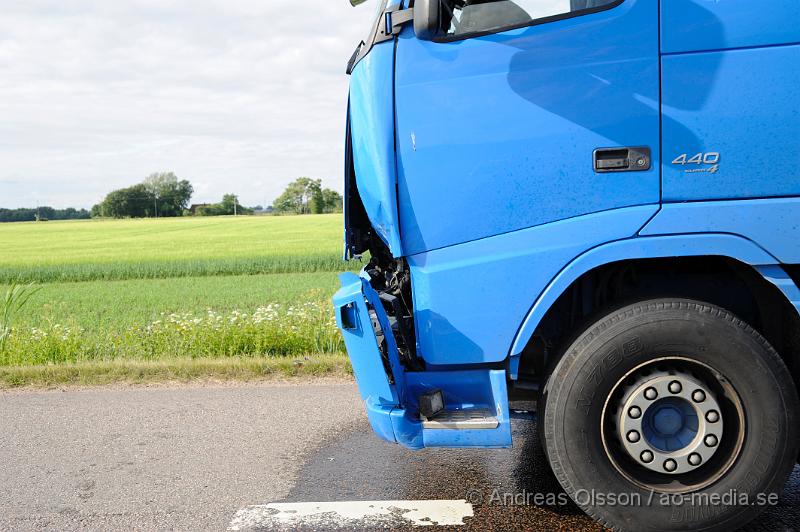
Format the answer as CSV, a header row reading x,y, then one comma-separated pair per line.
x,y
237,96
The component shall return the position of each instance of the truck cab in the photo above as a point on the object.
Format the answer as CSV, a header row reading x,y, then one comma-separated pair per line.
x,y
595,204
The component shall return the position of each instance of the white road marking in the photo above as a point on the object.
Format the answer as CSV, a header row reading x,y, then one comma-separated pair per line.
x,y
347,514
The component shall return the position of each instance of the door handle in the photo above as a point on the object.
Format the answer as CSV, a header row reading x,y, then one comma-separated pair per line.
x,y
621,159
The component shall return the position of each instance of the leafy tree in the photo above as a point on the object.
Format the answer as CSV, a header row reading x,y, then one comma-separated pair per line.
x,y
333,200
131,202
160,194
170,196
230,204
305,195
317,198
297,196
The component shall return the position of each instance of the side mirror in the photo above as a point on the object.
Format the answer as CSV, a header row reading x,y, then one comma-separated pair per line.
x,y
427,19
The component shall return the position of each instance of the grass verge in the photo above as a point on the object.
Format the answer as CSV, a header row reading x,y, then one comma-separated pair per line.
x,y
274,330
175,370
105,306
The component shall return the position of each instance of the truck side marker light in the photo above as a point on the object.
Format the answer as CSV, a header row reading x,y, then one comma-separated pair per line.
x,y
431,403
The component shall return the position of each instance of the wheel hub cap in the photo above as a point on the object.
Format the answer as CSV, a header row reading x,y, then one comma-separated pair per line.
x,y
670,422
667,420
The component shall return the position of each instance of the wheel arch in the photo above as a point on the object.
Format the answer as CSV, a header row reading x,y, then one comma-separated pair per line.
x,y
754,263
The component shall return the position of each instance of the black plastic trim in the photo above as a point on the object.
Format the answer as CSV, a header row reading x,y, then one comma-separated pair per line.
x,y
357,229
535,22
794,272
376,35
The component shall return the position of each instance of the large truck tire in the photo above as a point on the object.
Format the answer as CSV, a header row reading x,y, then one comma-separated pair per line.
x,y
671,414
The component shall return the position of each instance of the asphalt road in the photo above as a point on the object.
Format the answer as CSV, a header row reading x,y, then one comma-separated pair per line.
x,y
192,458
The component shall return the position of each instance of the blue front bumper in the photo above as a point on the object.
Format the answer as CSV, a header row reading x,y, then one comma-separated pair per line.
x,y
390,393
379,382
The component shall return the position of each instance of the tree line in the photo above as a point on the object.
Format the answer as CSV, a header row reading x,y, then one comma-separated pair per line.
x,y
164,195
42,213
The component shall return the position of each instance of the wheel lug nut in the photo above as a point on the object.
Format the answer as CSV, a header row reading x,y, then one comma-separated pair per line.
x,y
670,465
650,394
675,387
695,459
712,416
646,456
711,441
633,436
698,396
635,412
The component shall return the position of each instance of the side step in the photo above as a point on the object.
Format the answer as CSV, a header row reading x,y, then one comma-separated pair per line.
x,y
475,412
471,418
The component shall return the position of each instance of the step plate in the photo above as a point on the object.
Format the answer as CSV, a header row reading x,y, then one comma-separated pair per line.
x,y
473,418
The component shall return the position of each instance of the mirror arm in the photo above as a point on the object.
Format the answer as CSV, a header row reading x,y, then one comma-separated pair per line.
x,y
398,18
394,19
386,28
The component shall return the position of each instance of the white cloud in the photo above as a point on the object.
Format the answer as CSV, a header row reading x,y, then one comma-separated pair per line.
x,y
237,96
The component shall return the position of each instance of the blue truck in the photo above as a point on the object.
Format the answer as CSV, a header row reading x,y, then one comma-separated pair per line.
x,y
594,204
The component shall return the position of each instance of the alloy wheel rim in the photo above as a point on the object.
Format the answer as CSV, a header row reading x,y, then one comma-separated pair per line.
x,y
669,422
672,425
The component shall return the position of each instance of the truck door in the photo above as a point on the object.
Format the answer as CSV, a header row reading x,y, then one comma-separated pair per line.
x,y
523,113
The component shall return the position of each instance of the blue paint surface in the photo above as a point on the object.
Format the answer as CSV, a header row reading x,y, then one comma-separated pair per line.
x,y
743,105
496,133
353,319
699,25
372,134
773,224
470,299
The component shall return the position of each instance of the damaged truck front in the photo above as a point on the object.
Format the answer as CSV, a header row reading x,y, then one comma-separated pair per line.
x,y
375,310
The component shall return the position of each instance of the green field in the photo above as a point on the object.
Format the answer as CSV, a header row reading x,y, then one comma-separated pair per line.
x,y
174,247
163,291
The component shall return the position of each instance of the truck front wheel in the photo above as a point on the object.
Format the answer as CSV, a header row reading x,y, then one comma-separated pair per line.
x,y
671,415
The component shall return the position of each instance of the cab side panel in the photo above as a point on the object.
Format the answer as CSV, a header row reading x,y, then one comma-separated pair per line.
x,y
372,136
496,133
731,99
701,25
470,299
